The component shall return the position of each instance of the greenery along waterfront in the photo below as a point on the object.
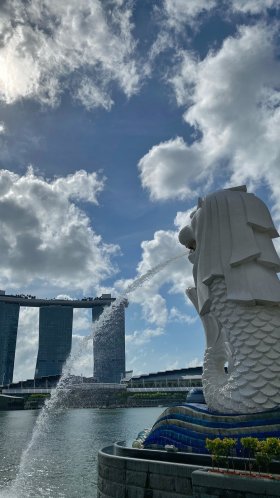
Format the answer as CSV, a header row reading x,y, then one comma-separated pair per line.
x,y
34,401
257,454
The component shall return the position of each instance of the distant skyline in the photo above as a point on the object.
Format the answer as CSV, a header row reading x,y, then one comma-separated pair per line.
x,y
115,116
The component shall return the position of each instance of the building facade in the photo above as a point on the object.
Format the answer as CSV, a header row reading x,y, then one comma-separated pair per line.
x,y
55,335
55,339
9,313
109,343
181,377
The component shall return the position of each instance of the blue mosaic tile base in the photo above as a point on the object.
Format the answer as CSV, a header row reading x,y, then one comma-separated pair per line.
x,y
187,427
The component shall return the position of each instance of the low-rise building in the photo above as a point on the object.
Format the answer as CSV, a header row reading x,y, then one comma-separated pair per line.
x,y
183,377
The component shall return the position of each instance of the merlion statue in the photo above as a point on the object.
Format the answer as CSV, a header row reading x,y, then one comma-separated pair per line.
x,y
237,295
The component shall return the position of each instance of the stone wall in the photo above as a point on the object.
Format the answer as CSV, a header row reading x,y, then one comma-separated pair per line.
x,y
159,474
208,484
120,477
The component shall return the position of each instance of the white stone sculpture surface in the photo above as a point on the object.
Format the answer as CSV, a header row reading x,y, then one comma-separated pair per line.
x,y
237,295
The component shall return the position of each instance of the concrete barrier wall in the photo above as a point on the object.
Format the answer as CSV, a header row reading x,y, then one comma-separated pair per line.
x,y
208,484
140,475
120,477
160,455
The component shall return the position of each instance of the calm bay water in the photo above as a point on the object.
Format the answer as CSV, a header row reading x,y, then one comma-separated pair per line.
x,y
64,462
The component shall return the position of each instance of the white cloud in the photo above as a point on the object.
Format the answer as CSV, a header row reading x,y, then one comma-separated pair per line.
x,y
171,169
184,77
196,362
172,366
27,344
82,321
234,103
64,296
155,309
180,12
177,276
83,363
45,237
161,43
79,186
183,218
137,338
80,45
90,95
176,315
28,341
174,17
254,6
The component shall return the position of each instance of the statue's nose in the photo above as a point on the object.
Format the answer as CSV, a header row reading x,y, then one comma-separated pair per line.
x,y
186,236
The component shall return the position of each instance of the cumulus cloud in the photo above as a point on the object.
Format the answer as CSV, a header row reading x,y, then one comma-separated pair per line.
x,y
235,105
79,186
46,237
183,218
177,275
164,247
83,46
137,338
232,99
171,169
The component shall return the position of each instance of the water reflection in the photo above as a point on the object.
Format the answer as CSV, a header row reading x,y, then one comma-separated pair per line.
x,y
65,462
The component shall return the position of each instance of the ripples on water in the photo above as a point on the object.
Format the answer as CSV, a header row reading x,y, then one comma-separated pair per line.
x,y
64,464
43,461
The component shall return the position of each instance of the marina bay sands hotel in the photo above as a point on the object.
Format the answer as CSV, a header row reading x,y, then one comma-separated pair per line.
x,y
55,336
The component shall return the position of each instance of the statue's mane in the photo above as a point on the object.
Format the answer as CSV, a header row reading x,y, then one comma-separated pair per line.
x,y
236,243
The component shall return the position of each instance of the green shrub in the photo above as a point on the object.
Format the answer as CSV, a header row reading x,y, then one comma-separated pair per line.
x,y
273,447
229,445
260,452
220,449
266,451
38,395
250,444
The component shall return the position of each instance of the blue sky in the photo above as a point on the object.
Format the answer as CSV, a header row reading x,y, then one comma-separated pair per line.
x,y
115,117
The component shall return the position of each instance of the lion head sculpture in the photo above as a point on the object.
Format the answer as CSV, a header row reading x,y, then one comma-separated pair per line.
x,y
231,236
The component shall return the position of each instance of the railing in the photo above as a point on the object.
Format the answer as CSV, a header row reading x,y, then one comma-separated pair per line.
x,y
37,302
157,389
97,386
26,391
82,386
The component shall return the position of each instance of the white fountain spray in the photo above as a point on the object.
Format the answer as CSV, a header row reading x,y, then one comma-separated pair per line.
x,y
23,485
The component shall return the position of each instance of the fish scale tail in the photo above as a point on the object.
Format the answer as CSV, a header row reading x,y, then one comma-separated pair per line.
x,y
253,336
